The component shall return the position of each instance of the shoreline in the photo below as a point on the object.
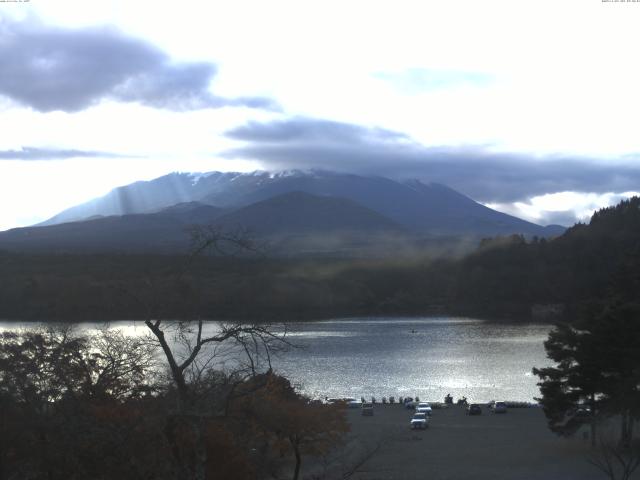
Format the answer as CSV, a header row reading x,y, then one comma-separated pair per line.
x,y
337,319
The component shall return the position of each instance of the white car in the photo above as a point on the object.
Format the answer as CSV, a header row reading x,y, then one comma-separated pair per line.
x,y
423,407
419,421
350,402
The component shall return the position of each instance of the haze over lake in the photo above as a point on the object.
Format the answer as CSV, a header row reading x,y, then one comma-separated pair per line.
x,y
428,357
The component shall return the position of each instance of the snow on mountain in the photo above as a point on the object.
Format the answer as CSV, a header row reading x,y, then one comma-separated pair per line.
x,y
425,208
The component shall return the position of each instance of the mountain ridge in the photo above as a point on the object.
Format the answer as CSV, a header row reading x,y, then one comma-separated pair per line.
x,y
431,208
290,222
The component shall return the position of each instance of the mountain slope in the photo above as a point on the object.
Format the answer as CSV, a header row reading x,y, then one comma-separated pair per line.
x,y
165,231
421,208
146,196
292,219
432,208
586,265
298,212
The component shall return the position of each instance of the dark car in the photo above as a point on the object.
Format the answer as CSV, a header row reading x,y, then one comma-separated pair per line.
x,y
474,409
499,407
367,409
581,413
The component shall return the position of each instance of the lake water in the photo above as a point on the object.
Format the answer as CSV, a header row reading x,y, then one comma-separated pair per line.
x,y
428,357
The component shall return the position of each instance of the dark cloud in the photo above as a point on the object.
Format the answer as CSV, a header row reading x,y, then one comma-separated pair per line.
x,y
483,175
31,153
302,130
50,69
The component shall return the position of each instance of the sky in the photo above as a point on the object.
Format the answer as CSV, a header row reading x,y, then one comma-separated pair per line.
x,y
528,107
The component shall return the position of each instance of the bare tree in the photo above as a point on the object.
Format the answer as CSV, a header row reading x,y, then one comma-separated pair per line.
x,y
615,459
193,349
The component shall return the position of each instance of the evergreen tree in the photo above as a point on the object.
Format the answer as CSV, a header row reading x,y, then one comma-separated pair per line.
x,y
617,330
598,364
576,380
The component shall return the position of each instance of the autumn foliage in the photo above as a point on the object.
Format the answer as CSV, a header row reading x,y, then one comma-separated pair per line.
x,y
78,407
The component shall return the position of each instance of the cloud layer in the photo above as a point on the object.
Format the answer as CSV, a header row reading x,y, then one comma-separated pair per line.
x,y
50,69
483,175
32,153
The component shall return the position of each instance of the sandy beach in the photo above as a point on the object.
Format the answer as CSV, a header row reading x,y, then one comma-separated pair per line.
x,y
515,445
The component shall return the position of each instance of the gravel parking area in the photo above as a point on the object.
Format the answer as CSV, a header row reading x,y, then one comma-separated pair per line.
x,y
515,445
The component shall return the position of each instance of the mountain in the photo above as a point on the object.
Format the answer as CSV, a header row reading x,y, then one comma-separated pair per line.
x,y
294,221
165,231
142,197
303,213
431,209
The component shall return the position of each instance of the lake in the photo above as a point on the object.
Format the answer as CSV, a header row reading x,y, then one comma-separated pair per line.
x,y
427,357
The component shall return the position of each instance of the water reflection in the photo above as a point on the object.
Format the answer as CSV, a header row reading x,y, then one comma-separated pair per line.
x,y
428,357
407,357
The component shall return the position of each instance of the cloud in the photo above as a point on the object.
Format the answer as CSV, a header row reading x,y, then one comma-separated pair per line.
x,y
414,81
31,153
536,214
304,131
49,69
566,218
484,175
563,208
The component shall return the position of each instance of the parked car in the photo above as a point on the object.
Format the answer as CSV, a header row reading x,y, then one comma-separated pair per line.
x,y
419,421
499,407
474,409
348,401
581,413
367,409
423,407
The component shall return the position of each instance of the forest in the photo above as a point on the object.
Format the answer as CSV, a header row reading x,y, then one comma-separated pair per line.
x,y
505,278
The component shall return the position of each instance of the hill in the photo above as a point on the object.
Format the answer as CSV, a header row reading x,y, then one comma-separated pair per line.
x,y
162,232
585,265
289,223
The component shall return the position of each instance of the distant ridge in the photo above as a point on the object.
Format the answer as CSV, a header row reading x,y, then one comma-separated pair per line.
x,y
162,232
425,209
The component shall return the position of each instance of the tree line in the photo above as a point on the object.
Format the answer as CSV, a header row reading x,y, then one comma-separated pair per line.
x,y
596,376
510,278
